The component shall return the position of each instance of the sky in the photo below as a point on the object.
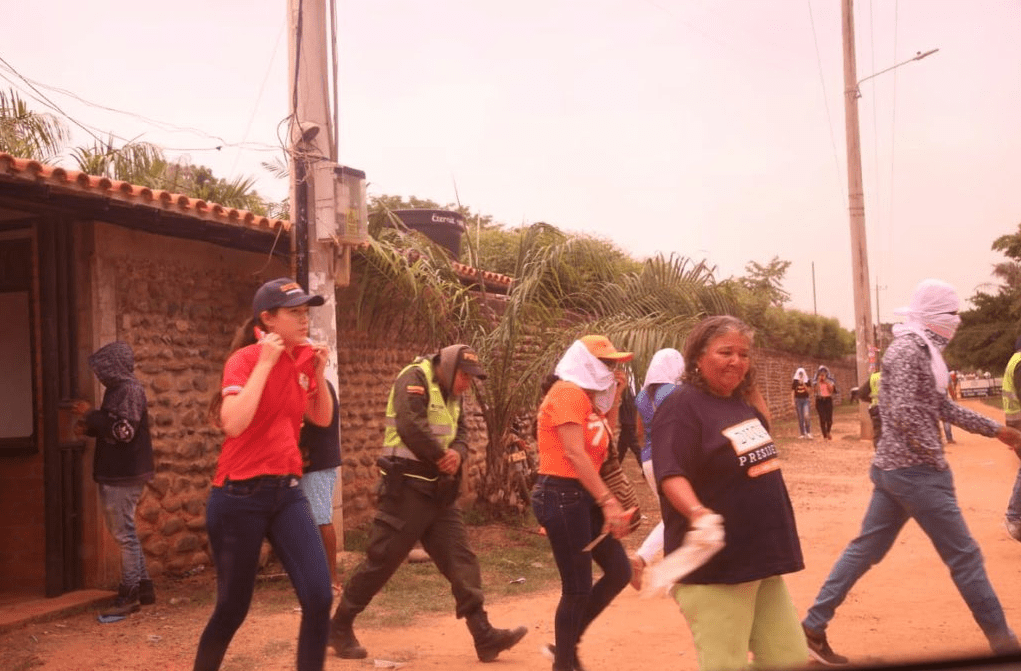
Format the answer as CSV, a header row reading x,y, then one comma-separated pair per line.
x,y
711,129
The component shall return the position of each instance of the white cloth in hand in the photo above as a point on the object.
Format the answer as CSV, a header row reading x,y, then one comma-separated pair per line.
x,y
703,540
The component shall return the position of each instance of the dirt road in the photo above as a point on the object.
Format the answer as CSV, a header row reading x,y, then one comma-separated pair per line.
x,y
905,608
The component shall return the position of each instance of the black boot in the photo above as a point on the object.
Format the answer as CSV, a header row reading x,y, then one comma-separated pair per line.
x,y
489,641
125,604
342,636
146,593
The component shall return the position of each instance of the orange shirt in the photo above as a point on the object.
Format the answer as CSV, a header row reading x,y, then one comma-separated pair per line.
x,y
567,403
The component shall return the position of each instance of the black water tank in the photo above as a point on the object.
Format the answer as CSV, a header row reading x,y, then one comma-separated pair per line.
x,y
442,227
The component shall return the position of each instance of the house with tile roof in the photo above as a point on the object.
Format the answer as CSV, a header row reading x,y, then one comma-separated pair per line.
x,y
86,260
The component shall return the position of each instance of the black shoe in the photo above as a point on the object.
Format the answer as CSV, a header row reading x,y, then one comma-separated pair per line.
x,y
820,650
344,642
125,604
146,593
495,641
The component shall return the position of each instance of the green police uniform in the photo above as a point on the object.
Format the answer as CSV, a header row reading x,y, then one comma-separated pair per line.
x,y
417,503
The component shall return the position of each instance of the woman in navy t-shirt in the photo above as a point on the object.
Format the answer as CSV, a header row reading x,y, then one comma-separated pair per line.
x,y
712,453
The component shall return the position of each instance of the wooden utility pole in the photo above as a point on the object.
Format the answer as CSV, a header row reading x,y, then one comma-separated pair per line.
x,y
864,344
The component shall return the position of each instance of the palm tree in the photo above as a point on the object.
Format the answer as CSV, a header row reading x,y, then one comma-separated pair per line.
x,y
563,288
29,134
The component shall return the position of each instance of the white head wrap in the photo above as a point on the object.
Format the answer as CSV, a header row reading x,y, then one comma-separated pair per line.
x,y
666,367
933,307
800,374
579,366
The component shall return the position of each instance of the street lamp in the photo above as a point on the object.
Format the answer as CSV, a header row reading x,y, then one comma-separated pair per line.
x,y
865,351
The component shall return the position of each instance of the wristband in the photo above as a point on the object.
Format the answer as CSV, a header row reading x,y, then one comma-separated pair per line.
x,y
695,509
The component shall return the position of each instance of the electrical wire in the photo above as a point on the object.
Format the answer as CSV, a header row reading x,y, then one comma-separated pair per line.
x,y
826,104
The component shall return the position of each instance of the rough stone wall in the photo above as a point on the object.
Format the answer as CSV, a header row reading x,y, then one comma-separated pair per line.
x,y
775,370
179,311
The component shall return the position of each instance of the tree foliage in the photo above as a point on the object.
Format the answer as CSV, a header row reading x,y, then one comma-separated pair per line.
x,y
29,134
985,339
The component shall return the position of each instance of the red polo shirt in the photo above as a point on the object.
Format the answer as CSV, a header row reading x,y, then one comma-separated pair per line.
x,y
269,446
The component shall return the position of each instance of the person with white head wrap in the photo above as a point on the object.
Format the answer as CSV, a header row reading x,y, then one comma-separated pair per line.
x,y
911,477
801,399
582,518
664,374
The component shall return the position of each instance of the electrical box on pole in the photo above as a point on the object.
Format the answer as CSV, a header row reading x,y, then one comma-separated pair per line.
x,y
342,213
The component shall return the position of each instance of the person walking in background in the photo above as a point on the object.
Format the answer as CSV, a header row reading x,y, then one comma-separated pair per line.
x,y
825,390
425,445
800,394
877,422
273,379
911,477
713,455
122,465
320,451
575,424
1012,416
627,418
664,374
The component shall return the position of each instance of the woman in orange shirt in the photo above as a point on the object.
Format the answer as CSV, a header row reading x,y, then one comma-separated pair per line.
x,y
574,427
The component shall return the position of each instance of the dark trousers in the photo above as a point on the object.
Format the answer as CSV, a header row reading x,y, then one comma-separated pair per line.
x,y
239,516
409,515
824,406
572,519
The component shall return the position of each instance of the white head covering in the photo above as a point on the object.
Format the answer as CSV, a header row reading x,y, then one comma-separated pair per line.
x,y
578,365
933,307
666,367
800,374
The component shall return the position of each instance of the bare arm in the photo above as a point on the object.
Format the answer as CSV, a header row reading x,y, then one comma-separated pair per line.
x,y
572,437
320,407
681,496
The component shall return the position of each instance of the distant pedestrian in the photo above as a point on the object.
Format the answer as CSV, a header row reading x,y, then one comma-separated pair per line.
x,y
122,465
911,477
825,389
801,393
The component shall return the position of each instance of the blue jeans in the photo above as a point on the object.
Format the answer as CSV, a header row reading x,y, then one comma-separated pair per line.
x,y
239,516
572,519
926,495
802,408
119,504
1014,505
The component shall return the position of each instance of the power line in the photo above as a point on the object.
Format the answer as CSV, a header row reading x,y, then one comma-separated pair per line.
x,y
825,100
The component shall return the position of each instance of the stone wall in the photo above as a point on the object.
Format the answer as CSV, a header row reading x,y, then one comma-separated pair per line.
x,y
179,310
775,370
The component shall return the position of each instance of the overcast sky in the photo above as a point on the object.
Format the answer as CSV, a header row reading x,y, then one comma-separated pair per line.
x,y
713,129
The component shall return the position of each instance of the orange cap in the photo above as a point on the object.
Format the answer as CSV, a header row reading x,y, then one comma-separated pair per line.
x,y
601,348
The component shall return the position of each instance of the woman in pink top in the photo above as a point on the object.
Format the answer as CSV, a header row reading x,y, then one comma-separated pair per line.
x,y
825,389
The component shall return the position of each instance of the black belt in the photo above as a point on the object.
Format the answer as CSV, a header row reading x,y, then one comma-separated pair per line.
x,y
267,480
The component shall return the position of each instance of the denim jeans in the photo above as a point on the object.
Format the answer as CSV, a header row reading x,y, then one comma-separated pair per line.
x,y
926,495
802,408
119,503
239,516
572,519
1014,505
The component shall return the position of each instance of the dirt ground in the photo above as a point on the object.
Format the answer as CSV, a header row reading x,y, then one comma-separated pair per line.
x,y
906,608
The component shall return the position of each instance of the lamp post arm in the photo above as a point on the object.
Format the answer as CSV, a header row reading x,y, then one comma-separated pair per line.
x,y
919,56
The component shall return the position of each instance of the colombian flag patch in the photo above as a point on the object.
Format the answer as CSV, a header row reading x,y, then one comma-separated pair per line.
x,y
415,389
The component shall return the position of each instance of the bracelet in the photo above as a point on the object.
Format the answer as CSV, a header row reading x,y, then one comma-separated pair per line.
x,y
692,511
604,499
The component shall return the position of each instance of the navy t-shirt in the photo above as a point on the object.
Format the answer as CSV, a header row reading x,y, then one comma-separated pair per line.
x,y
722,447
320,445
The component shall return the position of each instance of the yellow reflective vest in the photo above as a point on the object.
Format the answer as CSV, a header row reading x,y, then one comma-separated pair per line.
x,y
1011,405
443,415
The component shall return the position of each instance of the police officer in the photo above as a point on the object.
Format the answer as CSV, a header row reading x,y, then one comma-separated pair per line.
x,y
424,447
1012,417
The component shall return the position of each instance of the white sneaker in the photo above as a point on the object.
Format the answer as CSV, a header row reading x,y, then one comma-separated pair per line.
x,y
809,436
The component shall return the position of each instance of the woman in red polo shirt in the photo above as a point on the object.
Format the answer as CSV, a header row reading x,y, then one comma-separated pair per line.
x,y
269,386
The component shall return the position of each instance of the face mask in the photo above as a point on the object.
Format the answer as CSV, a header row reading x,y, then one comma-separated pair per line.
x,y
944,325
603,400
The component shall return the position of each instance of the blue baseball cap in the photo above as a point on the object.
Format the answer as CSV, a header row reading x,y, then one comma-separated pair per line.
x,y
282,292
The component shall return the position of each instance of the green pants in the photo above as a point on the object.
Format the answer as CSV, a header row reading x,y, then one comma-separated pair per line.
x,y
412,514
729,621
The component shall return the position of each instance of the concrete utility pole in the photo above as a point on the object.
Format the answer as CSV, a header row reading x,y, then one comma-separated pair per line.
x,y
312,145
864,344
